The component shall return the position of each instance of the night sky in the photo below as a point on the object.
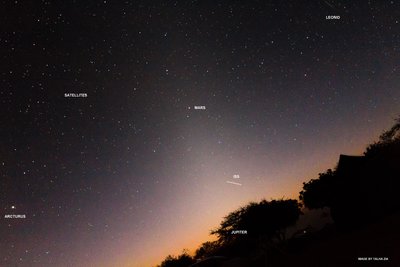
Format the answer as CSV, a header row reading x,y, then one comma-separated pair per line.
x,y
132,169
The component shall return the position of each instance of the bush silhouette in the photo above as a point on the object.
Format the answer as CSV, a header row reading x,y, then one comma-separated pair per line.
x,y
183,260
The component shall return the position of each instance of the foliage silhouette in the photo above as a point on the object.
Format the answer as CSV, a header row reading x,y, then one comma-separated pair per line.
x,y
266,220
207,249
317,193
183,260
363,188
388,144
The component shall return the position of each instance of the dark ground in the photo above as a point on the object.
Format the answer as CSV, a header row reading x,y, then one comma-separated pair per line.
x,y
330,247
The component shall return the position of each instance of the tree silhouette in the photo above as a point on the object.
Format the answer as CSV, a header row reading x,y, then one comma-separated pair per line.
x,y
319,193
207,249
266,219
362,188
388,144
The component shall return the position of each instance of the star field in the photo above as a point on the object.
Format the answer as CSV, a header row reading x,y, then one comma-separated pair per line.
x,y
112,177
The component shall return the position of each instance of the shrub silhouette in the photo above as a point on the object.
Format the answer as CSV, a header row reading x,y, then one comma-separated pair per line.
x,y
183,260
